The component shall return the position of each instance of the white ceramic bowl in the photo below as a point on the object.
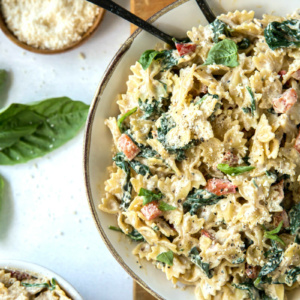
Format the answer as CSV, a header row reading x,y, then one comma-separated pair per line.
x,y
98,141
34,269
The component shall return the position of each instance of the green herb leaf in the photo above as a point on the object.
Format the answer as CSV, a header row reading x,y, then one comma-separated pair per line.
x,y
253,105
248,286
154,108
219,28
114,228
134,234
3,81
51,286
165,56
163,206
233,171
122,118
244,44
291,275
139,168
149,196
284,34
272,235
196,259
223,53
33,130
205,97
199,198
166,257
294,216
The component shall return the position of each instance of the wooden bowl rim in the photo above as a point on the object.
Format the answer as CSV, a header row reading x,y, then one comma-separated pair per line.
x,y
74,45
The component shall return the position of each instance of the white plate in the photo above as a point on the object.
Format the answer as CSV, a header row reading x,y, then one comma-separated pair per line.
x,y
98,141
31,268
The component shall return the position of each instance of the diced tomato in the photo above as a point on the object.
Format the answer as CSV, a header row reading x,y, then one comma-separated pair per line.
x,y
297,143
207,234
281,216
286,101
252,271
296,75
129,148
220,186
282,73
230,158
184,49
151,210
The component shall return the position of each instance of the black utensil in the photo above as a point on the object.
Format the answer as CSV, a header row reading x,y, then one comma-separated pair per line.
x,y
209,15
125,14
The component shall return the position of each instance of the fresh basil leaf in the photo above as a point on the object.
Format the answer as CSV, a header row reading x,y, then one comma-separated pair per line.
x,y
122,118
233,171
284,34
244,44
165,56
223,53
275,256
53,284
272,235
196,259
33,130
149,196
219,28
163,206
166,257
199,198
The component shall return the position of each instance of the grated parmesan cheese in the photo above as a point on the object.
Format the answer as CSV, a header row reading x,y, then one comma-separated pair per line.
x,y
48,24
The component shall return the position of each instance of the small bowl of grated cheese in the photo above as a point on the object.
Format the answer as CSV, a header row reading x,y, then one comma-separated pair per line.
x,y
50,26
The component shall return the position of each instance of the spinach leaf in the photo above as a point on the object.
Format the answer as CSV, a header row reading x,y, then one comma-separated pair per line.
x,y
139,168
212,117
253,292
165,56
199,198
149,196
163,206
148,152
244,44
291,275
166,124
154,107
120,161
252,107
294,216
196,259
284,34
223,53
134,234
51,286
166,257
275,256
233,171
272,235
219,28
200,101
123,117
32,130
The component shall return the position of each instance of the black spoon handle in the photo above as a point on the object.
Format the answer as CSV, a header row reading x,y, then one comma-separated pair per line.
x,y
209,15
125,14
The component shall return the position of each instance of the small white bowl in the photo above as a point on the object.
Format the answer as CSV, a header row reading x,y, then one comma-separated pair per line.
x,y
33,269
175,20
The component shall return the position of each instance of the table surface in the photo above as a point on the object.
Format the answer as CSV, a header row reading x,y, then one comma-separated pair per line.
x,y
44,216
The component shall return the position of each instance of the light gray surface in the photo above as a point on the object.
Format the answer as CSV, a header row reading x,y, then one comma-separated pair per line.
x,y
45,217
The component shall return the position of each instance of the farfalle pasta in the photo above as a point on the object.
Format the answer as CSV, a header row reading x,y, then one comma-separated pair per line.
x,y
206,158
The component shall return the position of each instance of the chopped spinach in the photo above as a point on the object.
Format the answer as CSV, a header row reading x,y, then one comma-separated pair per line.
x,y
233,171
165,56
244,44
223,53
199,198
139,168
294,216
166,257
219,28
291,275
154,107
147,152
149,196
284,34
252,107
196,259
272,235
134,234
275,256
122,118
166,124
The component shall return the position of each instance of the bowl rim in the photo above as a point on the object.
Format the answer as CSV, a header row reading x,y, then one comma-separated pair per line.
x,y
87,141
91,30
33,268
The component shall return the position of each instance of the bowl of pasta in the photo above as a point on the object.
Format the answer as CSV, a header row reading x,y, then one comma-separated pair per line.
x,y
192,155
